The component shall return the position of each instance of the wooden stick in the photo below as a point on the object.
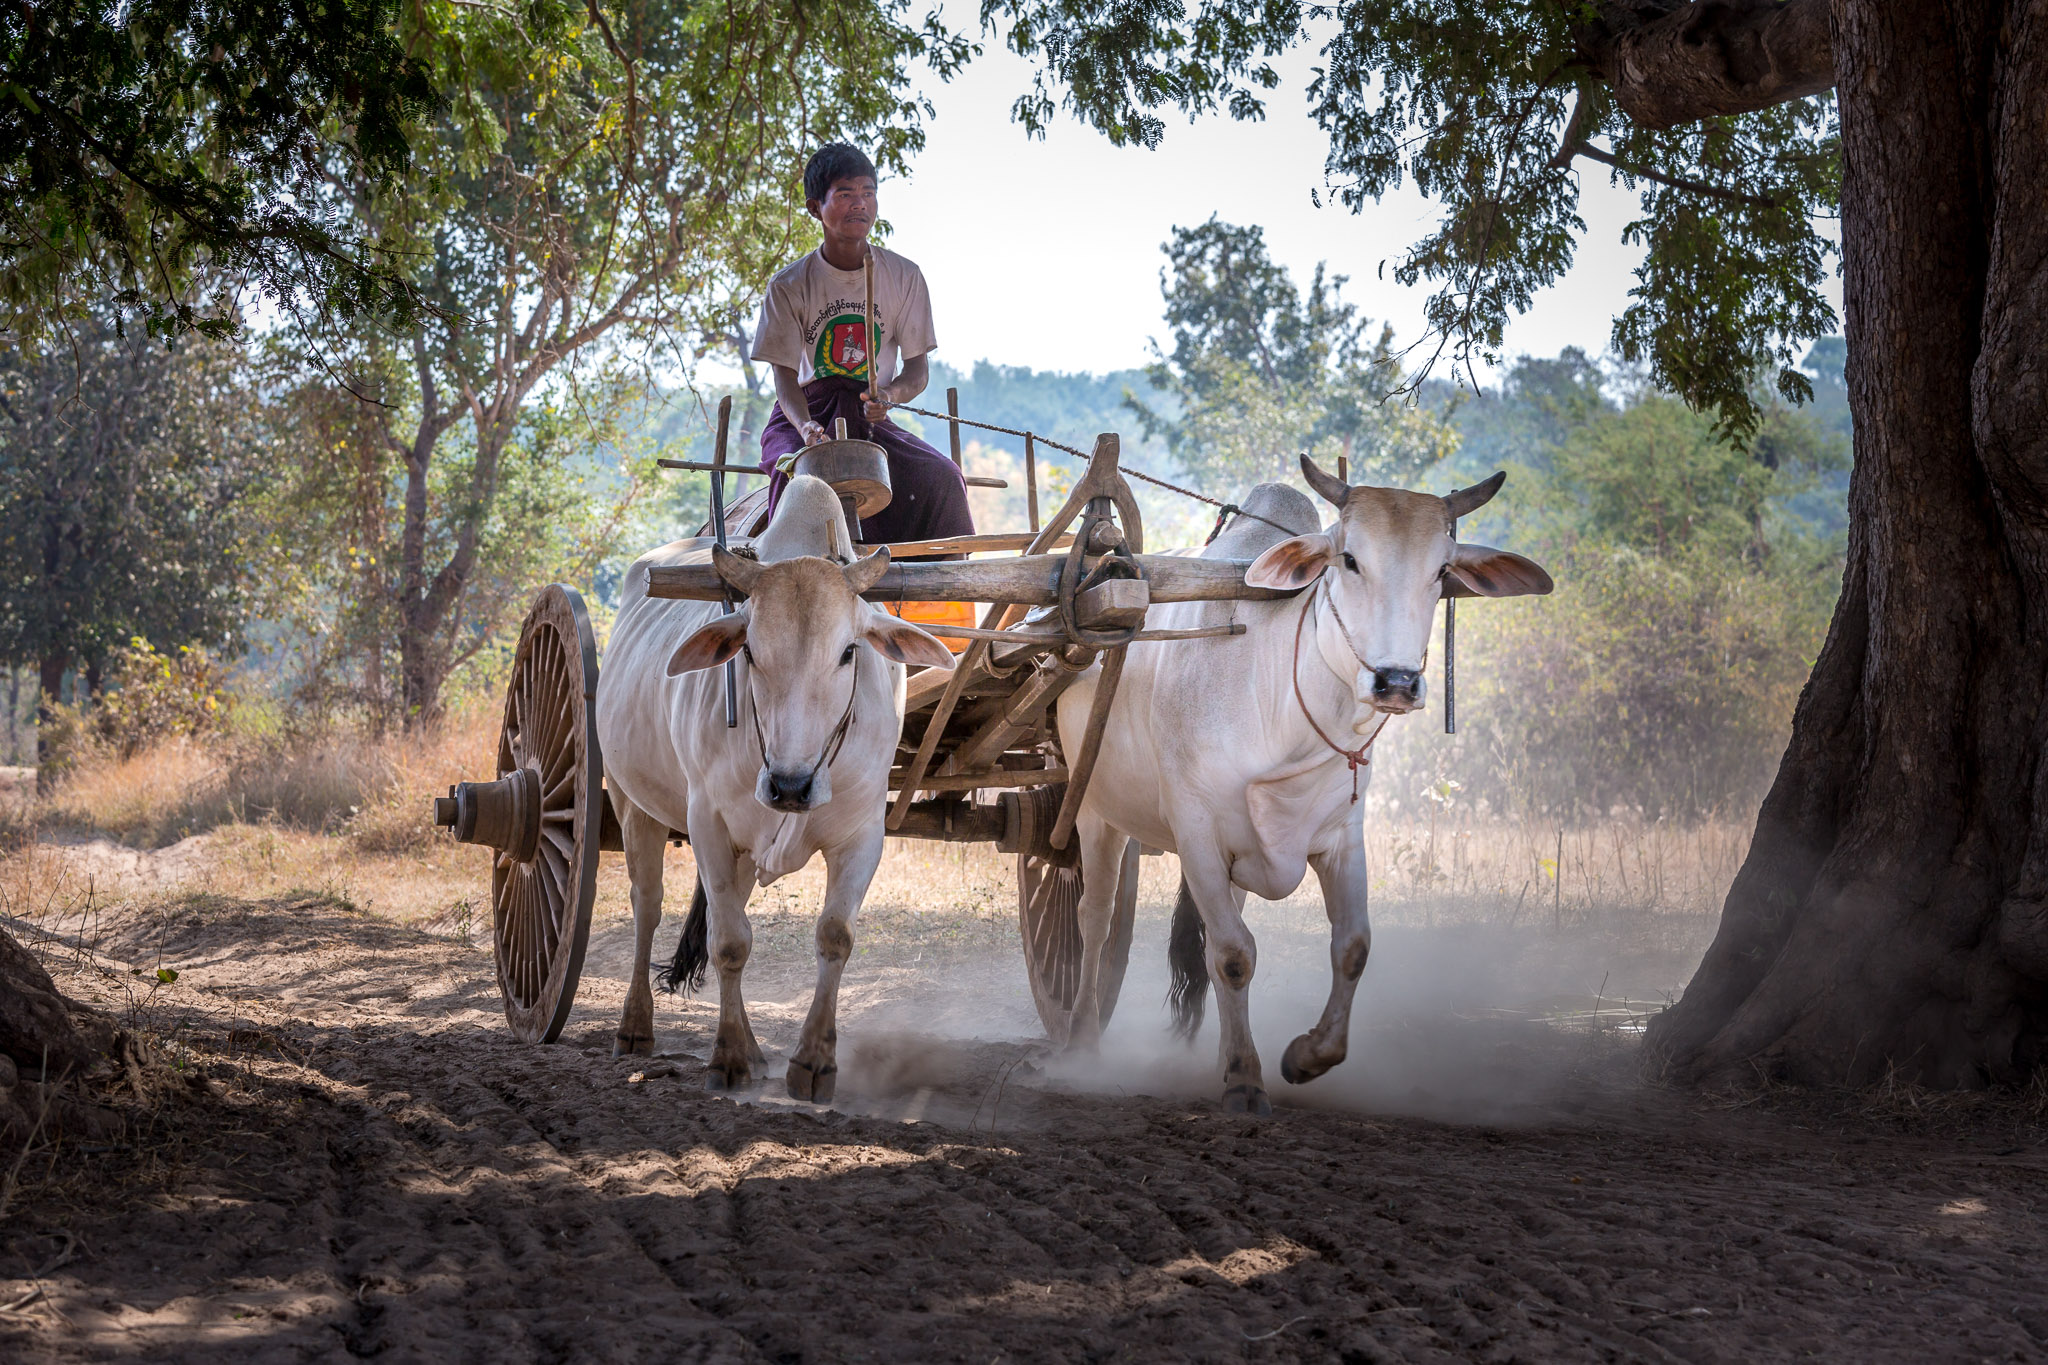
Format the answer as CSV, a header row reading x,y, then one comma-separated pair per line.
x,y
1030,636
1031,478
732,677
953,420
719,468
874,368
983,543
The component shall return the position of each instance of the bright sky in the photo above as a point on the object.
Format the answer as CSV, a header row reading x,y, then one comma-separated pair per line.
x,y
1047,253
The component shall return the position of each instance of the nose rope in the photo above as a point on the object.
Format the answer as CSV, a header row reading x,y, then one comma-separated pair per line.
x,y
834,742
1360,757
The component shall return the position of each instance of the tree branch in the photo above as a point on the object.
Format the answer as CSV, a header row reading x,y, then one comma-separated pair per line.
x,y
1574,144
1678,61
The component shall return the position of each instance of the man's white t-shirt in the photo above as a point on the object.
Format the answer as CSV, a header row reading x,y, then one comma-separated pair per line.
x,y
813,318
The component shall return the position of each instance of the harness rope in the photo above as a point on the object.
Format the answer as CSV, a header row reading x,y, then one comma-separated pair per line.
x,y
1361,757
1225,509
834,742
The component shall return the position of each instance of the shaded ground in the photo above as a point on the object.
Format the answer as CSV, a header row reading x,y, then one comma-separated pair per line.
x,y
350,1157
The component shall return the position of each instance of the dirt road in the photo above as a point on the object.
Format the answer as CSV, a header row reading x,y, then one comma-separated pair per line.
x,y
354,1159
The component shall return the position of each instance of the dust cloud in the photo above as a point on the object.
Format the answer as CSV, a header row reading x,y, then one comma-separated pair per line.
x,y
1466,1013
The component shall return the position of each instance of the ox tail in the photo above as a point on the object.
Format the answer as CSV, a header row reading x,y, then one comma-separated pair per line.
x,y
1187,953
693,953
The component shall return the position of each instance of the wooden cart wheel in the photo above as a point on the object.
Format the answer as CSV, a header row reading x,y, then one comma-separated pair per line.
x,y
1048,904
540,903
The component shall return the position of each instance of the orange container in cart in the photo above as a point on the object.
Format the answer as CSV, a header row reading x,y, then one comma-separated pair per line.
x,y
933,615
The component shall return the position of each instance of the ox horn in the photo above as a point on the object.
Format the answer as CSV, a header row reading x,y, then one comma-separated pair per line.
x,y
865,573
1466,501
1333,489
739,572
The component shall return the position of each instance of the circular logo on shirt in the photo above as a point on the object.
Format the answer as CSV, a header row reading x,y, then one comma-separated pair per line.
x,y
842,350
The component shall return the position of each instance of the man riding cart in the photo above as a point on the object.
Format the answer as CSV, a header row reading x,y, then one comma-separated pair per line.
x,y
815,331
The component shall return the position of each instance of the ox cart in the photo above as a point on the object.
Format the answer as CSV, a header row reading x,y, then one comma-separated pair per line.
x,y
980,759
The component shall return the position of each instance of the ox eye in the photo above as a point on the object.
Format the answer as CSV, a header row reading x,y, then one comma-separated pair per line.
x,y
847,657
1349,562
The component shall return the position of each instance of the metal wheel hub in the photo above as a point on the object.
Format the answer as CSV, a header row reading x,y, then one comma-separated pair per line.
x,y
504,815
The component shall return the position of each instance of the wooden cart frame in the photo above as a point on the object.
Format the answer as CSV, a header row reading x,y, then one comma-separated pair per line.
x,y
981,760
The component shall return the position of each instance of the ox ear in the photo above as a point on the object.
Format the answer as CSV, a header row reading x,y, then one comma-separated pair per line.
x,y
739,572
895,638
1482,571
1466,501
1293,563
866,573
710,644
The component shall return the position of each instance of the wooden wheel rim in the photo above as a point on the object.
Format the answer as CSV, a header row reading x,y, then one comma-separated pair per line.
x,y
540,909
1048,917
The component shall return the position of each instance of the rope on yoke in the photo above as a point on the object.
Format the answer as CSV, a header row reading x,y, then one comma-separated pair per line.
x,y
1223,516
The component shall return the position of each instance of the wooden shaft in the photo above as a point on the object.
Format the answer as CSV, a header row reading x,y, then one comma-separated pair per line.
x,y
1031,478
1083,763
953,420
1031,579
968,782
956,685
1023,709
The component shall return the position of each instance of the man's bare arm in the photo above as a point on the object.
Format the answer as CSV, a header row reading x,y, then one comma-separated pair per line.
x,y
790,394
917,372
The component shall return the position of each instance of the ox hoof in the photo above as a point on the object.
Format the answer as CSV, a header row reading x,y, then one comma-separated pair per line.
x,y
812,1083
733,1068
1299,1064
632,1044
1247,1099
722,1078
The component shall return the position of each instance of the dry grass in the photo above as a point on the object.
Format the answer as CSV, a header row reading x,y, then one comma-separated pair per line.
x,y
1469,867
369,788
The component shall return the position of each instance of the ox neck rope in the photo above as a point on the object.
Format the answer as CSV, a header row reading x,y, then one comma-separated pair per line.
x,y
834,742
1360,757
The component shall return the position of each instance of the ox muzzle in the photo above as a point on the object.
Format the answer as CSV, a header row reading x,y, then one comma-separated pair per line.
x,y
793,788
1397,690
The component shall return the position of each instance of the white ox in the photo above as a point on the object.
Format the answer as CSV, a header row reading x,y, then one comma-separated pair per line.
x,y
1212,749
820,684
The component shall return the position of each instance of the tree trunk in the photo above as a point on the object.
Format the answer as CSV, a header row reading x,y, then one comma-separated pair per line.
x,y
1893,911
49,677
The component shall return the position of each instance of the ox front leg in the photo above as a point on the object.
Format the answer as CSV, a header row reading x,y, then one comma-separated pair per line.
x,y
1343,878
1102,856
1232,956
646,844
849,867
736,1060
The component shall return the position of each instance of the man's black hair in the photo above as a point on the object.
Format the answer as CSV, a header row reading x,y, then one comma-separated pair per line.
x,y
832,163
